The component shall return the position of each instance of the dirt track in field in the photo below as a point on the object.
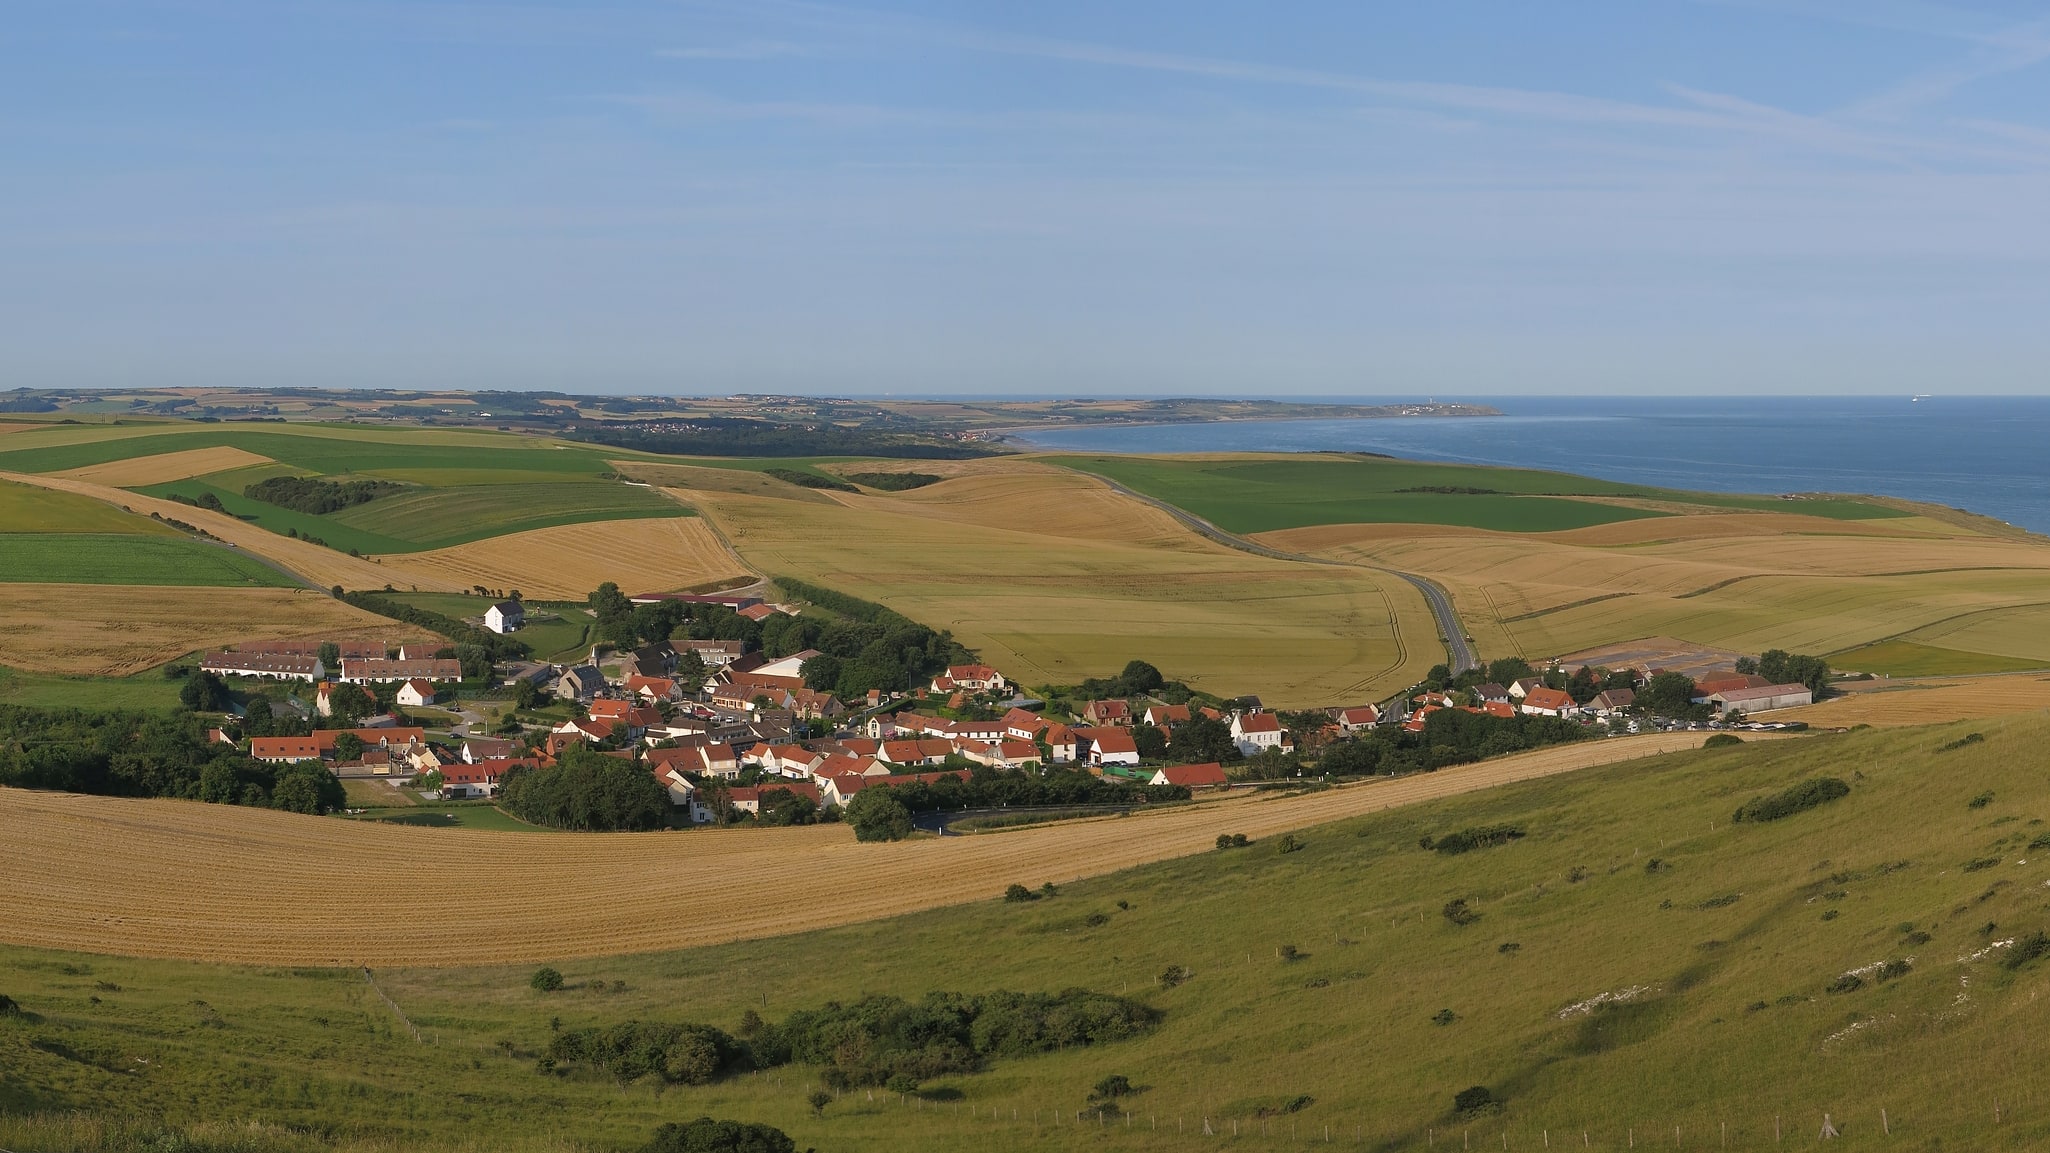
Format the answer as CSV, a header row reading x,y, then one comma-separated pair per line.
x,y
205,882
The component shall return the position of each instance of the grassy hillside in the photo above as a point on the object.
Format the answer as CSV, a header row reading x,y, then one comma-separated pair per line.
x,y
1635,964
128,559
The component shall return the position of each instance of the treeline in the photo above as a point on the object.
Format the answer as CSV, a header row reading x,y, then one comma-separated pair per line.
x,y
312,495
894,481
205,500
1450,737
870,647
875,1041
733,436
809,479
991,788
1784,668
125,754
587,791
490,645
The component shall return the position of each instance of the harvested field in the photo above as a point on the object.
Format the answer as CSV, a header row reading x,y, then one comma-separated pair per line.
x,y
568,561
1745,581
167,466
1678,656
167,878
323,566
1926,702
113,630
1051,605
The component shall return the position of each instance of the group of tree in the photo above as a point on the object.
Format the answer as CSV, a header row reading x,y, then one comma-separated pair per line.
x,y
878,1040
1784,668
475,647
992,788
867,647
587,791
316,496
1450,737
132,754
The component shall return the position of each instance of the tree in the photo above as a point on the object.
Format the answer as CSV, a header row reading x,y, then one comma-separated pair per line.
x,y
1200,739
546,979
1508,670
1140,677
1747,666
1582,686
526,694
1668,694
205,693
705,1135
822,672
330,656
878,816
818,1101
348,747
347,704
690,669
1151,741
1355,758
307,788
784,807
1785,668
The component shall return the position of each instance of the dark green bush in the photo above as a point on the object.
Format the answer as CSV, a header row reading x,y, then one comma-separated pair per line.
x,y
705,1135
1961,742
678,1054
893,481
1174,975
545,980
1474,1101
1981,864
2027,949
1479,837
1458,913
809,479
1018,894
1288,844
1722,741
1799,799
1980,801
1848,983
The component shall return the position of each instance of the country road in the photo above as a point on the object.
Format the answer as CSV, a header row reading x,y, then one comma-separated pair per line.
x,y
1459,652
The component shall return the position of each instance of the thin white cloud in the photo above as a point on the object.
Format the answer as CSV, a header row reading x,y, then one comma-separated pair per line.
x,y
746,50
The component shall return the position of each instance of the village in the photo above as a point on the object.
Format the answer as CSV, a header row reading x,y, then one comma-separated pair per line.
x,y
733,735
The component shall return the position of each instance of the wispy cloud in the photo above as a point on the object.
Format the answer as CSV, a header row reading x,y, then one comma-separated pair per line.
x,y
746,50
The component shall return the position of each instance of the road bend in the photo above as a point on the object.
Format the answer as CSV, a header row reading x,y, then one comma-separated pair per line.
x,y
1459,654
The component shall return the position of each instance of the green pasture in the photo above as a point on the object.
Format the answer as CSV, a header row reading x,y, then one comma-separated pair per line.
x,y
1908,659
323,449
124,559
26,508
1634,966
1261,495
145,690
569,635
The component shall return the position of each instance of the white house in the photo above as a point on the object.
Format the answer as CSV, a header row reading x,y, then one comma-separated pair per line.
x,y
1544,702
1111,746
1258,732
1357,719
505,616
415,694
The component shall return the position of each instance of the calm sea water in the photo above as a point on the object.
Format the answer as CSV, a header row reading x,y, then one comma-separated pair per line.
x,y
1987,454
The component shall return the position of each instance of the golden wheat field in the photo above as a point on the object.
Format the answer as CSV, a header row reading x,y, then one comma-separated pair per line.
x,y
114,630
1927,702
1051,603
164,467
568,561
172,878
319,564
1745,581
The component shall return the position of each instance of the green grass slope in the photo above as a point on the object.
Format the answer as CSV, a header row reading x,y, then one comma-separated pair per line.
x,y
1260,495
121,558
1597,992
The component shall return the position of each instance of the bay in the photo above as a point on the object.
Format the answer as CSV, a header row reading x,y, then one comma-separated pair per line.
x,y
1990,455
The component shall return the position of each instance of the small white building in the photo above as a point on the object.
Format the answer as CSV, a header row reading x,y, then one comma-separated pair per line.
x,y
505,616
414,694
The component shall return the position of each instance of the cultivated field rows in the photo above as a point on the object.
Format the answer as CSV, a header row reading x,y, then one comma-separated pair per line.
x,y
169,466
1927,701
217,883
568,561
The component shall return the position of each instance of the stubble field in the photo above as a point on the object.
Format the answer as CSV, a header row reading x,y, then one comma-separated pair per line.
x,y
1053,577
568,561
115,630
169,878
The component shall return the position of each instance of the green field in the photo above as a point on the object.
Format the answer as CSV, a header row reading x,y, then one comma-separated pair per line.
x,y
569,636
146,690
119,559
25,508
1263,495
1639,964
1908,659
325,450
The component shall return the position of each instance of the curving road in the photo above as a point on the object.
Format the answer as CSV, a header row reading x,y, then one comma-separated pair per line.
x,y
1459,652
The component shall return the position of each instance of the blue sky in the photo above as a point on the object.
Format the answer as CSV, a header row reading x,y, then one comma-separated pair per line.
x,y
1444,197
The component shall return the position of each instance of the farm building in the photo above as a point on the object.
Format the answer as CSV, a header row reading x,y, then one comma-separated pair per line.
x,y
381,671
505,616
269,666
1209,775
1763,699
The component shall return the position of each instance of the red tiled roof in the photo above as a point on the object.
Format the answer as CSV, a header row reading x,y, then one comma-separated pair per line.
x,y
1208,775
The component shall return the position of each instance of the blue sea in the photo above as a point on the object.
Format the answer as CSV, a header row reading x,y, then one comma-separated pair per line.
x,y
1990,455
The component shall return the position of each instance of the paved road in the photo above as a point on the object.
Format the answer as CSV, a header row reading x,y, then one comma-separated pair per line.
x,y
1458,651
